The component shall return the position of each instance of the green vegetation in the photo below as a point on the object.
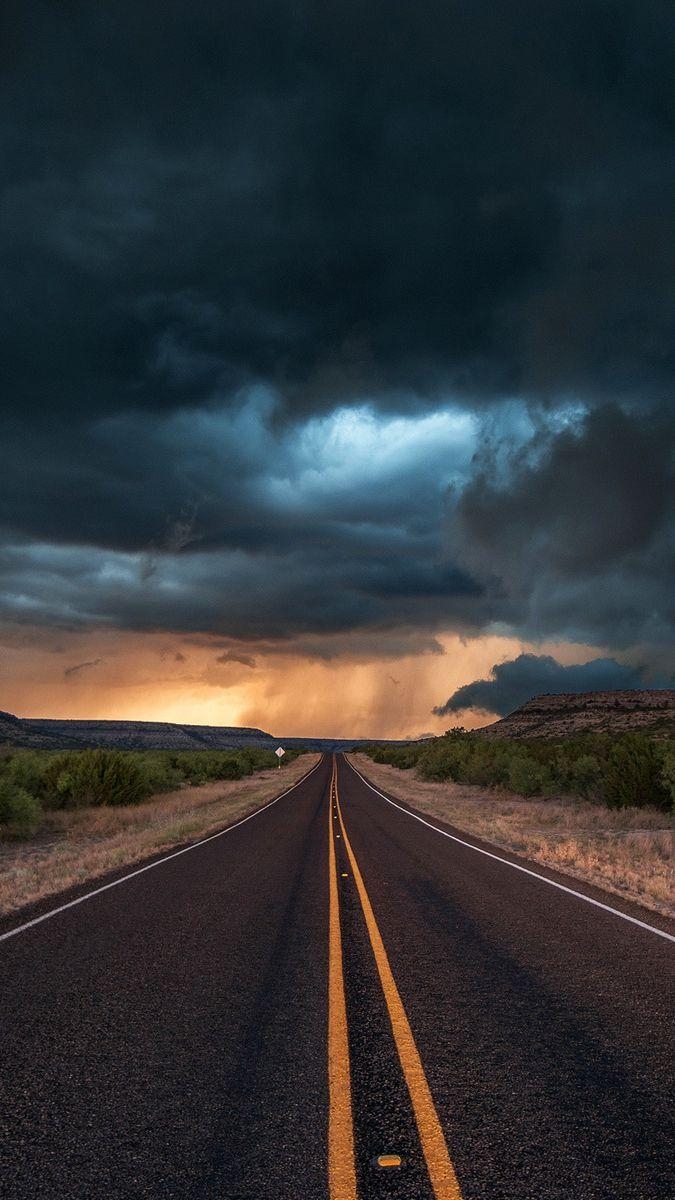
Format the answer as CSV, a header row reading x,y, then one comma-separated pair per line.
x,y
20,813
35,781
621,771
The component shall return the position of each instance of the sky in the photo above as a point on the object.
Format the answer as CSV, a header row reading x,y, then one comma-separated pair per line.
x,y
337,359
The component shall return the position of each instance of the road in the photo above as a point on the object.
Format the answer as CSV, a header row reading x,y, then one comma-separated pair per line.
x,y
263,1016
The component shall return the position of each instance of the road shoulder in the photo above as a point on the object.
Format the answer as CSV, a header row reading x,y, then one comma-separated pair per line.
x,y
33,882
440,804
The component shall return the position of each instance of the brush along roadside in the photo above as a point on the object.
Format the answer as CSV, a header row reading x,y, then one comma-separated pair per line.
x,y
628,851
84,843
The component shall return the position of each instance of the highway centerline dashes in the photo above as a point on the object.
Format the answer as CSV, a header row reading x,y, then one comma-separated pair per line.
x,y
341,1161
434,1148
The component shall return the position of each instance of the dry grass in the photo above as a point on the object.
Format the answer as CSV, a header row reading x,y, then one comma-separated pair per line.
x,y
86,843
629,852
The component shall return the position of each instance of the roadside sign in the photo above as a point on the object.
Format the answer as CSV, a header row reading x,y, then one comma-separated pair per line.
x,y
280,753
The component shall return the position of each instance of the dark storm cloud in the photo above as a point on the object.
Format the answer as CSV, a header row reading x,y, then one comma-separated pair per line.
x,y
357,645
227,224
329,526
251,597
376,198
594,493
512,683
575,534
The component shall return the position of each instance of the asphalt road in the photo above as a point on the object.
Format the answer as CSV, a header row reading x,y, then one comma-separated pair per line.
x,y
261,1017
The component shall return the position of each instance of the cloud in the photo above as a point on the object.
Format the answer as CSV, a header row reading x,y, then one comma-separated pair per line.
x,y
289,693
572,534
231,656
512,683
324,533
392,214
554,527
83,666
342,327
597,491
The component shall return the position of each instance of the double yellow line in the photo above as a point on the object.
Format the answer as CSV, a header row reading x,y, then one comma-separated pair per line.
x,y
341,1161
341,1166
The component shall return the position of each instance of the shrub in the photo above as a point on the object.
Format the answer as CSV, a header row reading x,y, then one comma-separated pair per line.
x,y
486,767
583,775
159,772
668,774
628,769
445,758
527,776
20,813
403,757
78,778
633,775
26,769
94,777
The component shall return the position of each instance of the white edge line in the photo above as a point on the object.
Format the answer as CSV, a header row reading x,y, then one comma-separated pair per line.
x,y
175,854
516,866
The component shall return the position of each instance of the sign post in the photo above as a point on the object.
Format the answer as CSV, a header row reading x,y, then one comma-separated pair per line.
x,y
280,754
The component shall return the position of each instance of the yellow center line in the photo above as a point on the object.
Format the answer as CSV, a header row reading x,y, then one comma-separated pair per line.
x,y
441,1171
341,1164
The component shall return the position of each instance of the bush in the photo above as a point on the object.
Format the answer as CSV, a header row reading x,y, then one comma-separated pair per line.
x,y
633,775
628,769
35,779
444,759
487,767
668,774
527,776
20,813
404,757
94,777
584,775
159,773
26,769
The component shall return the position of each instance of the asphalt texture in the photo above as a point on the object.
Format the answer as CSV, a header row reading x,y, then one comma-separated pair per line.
x,y
167,1037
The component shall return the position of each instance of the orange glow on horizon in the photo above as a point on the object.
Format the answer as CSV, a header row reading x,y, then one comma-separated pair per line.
x,y
155,677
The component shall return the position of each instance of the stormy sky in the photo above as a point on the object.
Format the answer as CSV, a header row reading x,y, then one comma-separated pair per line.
x,y
337,357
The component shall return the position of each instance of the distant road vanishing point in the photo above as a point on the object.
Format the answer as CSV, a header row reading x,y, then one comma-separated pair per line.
x,y
336,999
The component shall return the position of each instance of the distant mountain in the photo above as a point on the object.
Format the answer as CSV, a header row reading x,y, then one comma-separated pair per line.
x,y
42,733
150,735
16,732
568,713
561,715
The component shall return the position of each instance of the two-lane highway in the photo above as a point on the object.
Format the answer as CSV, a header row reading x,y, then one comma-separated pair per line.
x,y
330,982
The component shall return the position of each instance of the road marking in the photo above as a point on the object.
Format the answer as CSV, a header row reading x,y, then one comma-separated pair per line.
x,y
140,870
388,1160
616,912
341,1162
441,1171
